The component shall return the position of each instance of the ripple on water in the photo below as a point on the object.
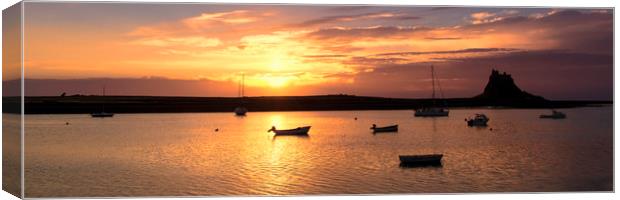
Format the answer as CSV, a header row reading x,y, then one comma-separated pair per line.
x,y
179,154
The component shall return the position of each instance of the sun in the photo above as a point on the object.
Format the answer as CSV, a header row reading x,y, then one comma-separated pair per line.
x,y
270,80
277,82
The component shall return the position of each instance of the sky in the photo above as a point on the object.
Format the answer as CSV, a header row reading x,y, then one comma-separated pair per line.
x,y
387,51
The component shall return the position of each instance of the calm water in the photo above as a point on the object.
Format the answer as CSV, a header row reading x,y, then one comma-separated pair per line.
x,y
181,154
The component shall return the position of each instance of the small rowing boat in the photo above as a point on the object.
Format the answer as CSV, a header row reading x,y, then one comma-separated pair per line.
x,y
296,131
427,159
375,129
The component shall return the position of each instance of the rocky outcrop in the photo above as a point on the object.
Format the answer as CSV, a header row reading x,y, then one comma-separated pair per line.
x,y
501,90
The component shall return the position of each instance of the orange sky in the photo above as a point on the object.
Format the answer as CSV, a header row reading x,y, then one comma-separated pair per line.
x,y
290,49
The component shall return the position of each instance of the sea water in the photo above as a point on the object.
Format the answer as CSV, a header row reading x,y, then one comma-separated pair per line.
x,y
183,154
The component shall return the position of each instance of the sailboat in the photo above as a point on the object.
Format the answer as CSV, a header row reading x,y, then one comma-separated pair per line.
x,y
240,110
433,111
102,113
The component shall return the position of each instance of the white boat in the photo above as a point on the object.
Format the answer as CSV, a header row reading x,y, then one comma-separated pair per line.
x,y
375,129
554,115
102,113
296,131
478,120
433,111
241,111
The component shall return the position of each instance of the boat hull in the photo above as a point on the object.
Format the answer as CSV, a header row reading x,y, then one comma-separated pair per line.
x,y
241,111
102,115
478,120
296,131
431,113
385,129
428,159
476,123
553,116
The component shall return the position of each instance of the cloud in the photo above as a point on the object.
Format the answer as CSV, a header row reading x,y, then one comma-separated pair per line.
x,y
534,60
554,74
482,17
470,50
202,42
488,17
443,38
351,8
366,61
356,17
337,33
441,8
206,20
570,29
326,56
393,60
408,17
582,30
233,22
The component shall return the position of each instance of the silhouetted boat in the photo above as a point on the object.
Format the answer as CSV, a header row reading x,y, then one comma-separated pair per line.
x,y
554,115
375,129
478,120
102,113
241,111
432,111
420,159
296,131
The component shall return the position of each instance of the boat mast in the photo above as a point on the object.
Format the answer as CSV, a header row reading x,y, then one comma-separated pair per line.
x,y
433,79
239,87
242,84
103,104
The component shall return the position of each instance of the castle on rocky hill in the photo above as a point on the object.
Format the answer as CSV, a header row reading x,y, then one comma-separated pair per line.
x,y
501,90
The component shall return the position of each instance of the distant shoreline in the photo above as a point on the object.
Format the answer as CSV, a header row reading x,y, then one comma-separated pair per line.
x,y
158,104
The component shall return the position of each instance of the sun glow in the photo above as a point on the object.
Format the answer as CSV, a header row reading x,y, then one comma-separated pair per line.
x,y
277,82
276,120
270,80
276,64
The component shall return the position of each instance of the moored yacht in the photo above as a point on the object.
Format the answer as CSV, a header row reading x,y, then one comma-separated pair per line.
x,y
478,120
103,113
240,110
433,111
